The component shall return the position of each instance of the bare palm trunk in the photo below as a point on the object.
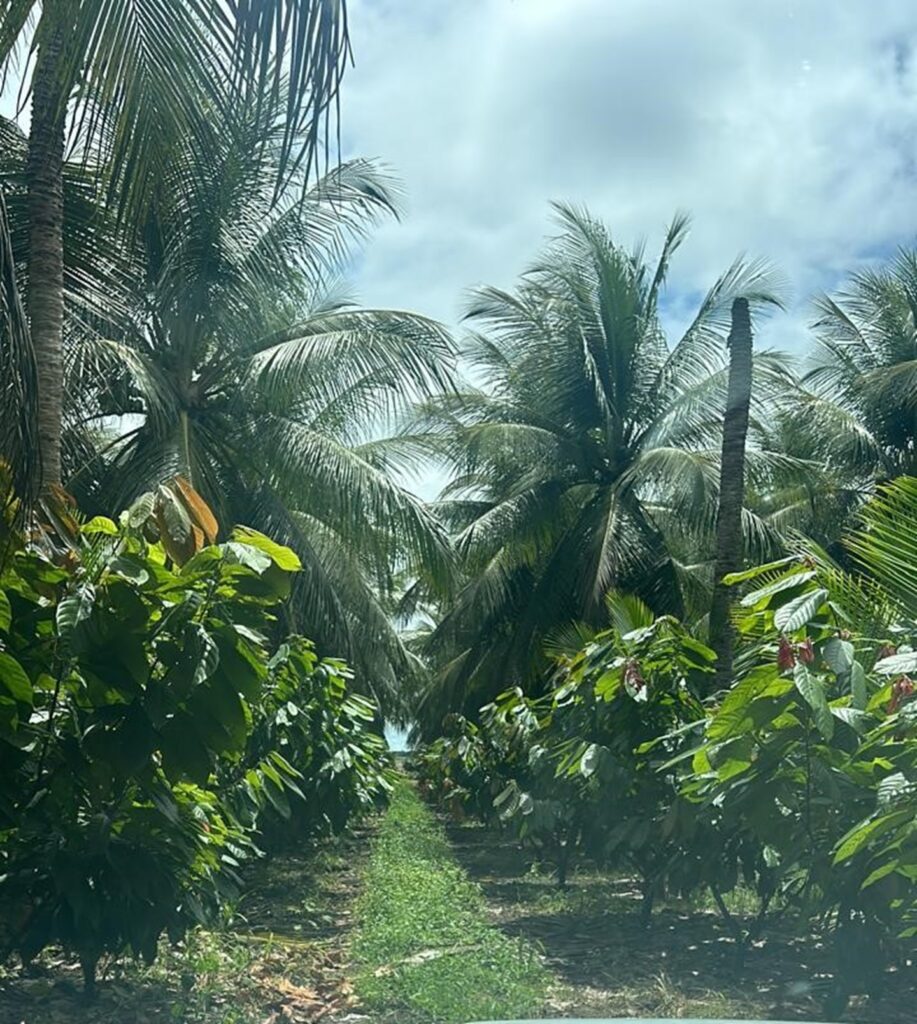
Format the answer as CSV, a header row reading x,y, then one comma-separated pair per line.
x,y
46,255
729,547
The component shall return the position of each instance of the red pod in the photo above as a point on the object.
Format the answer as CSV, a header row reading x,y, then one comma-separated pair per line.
x,y
806,652
786,657
902,688
633,677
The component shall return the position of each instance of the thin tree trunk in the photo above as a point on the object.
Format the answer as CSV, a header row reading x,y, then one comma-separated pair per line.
x,y
729,547
46,249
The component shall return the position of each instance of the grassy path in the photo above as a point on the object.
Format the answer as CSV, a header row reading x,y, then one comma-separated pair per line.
x,y
424,949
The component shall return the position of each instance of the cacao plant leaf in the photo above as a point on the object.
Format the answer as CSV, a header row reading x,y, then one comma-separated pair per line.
x,y
838,655
814,695
897,664
14,680
142,510
796,613
858,693
282,556
100,524
865,831
198,509
174,525
74,609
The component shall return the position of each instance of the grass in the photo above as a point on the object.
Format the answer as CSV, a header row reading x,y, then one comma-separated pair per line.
x,y
424,947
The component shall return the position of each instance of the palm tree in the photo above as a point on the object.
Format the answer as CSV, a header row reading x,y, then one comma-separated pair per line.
x,y
136,76
732,486
588,457
238,364
862,401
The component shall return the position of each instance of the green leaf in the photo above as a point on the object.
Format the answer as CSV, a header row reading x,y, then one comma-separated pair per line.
x,y
282,556
14,679
74,609
590,759
838,655
206,651
855,718
865,831
247,555
814,695
100,524
777,587
858,693
897,664
141,510
796,613
759,570
881,872
6,613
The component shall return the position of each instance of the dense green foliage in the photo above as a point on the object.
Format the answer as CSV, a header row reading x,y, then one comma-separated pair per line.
x,y
145,737
424,945
798,782
173,338
589,457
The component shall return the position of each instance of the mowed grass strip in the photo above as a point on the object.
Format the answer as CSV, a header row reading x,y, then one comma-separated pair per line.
x,y
423,947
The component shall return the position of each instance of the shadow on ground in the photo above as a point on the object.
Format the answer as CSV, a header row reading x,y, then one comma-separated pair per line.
x,y
282,960
684,965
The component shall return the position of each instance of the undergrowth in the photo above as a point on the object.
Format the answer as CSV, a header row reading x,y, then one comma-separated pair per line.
x,y
423,944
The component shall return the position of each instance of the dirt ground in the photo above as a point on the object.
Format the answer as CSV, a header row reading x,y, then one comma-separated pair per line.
x,y
683,965
282,960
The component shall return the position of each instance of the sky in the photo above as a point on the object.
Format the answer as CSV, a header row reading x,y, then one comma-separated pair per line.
x,y
787,130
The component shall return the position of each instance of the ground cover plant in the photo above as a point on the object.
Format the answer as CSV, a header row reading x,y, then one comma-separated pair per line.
x,y
423,945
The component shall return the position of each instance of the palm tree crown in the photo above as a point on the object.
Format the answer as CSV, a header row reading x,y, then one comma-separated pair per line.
x,y
864,376
589,450
236,364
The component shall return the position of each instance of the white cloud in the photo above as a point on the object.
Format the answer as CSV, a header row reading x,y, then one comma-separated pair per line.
x,y
786,129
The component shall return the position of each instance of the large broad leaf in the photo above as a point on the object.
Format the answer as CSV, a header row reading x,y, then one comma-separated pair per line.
x,y
757,699
795,579
796,613
13,679
283,557
897,664
178,534
814,695
838,655
859,695
865,832
198,510
74,609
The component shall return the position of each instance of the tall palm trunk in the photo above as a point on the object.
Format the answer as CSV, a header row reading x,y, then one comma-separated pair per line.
x,y
46,248
732,487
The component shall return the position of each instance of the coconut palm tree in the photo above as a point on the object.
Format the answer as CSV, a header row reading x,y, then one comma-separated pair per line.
x,y
862,401
732,486
239,364
133,77
587,458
